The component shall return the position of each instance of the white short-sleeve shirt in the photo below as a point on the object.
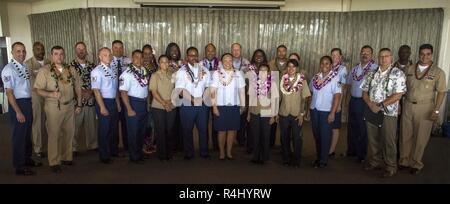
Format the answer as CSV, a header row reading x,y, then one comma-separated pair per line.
x,y
196,86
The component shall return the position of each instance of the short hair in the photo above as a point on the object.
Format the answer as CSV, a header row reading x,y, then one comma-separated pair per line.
x,y
293,61
16,43
37,43
295,54
385,49
254,56
162,56
226,54
136,52
146,46
326,57
80,43
103,48
240,46
191,48
117,41
281,46
367,47
210,44
426,46
56,47
404,47
169,46
336,49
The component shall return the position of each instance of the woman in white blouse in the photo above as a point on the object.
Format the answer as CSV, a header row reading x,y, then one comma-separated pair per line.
x,y
228,97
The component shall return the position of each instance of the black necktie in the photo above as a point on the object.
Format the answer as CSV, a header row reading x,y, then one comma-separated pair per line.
x,y
119,67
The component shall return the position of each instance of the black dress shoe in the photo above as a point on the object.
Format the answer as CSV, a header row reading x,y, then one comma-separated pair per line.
x,y
295,164
206,156
106,161
315,163
67,163
286,163
402,168
32,163
415,171
332,155
25,172
230,158
187,157
56,169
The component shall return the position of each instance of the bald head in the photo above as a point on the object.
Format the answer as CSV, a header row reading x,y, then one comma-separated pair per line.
x,y
105,55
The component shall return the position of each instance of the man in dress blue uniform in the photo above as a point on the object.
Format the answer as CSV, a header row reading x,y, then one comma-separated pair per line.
x,y
120,63
133,86
192,80
104,83
16,79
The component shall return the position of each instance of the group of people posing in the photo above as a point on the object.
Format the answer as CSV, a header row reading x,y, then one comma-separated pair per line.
x,y
392,105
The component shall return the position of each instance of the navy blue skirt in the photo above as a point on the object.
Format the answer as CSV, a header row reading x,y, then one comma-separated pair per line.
x,y
229,119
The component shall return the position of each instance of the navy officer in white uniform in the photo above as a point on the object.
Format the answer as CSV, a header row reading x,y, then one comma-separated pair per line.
x,y
192,81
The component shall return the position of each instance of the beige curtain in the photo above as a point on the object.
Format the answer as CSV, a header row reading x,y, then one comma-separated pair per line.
x,y
312,34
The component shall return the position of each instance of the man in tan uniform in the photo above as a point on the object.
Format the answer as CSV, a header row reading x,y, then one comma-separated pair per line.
x,y
86,118
59,83
426,91
34,64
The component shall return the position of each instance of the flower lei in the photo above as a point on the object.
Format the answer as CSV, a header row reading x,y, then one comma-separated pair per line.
x,y
24,75
141,75
319,84
252,67
298,83
221,77
173,66
262,88
107,74
366,69
191,77
214,60
69,79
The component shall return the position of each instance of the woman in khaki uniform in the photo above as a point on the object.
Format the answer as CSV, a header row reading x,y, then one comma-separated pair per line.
x,y
294,89
58,83
421,108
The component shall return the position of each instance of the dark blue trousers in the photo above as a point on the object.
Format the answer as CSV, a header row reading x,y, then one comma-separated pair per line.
x,y
356,131
322,132
108,129
136,127
123,125
21,134
197,115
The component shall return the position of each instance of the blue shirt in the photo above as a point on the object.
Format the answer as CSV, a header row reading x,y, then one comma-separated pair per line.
x,y
15,76
322,99
129,83
355,84
103,78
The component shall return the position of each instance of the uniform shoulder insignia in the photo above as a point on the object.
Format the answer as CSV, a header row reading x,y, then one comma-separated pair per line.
x,y
121,81
94,79
7,78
